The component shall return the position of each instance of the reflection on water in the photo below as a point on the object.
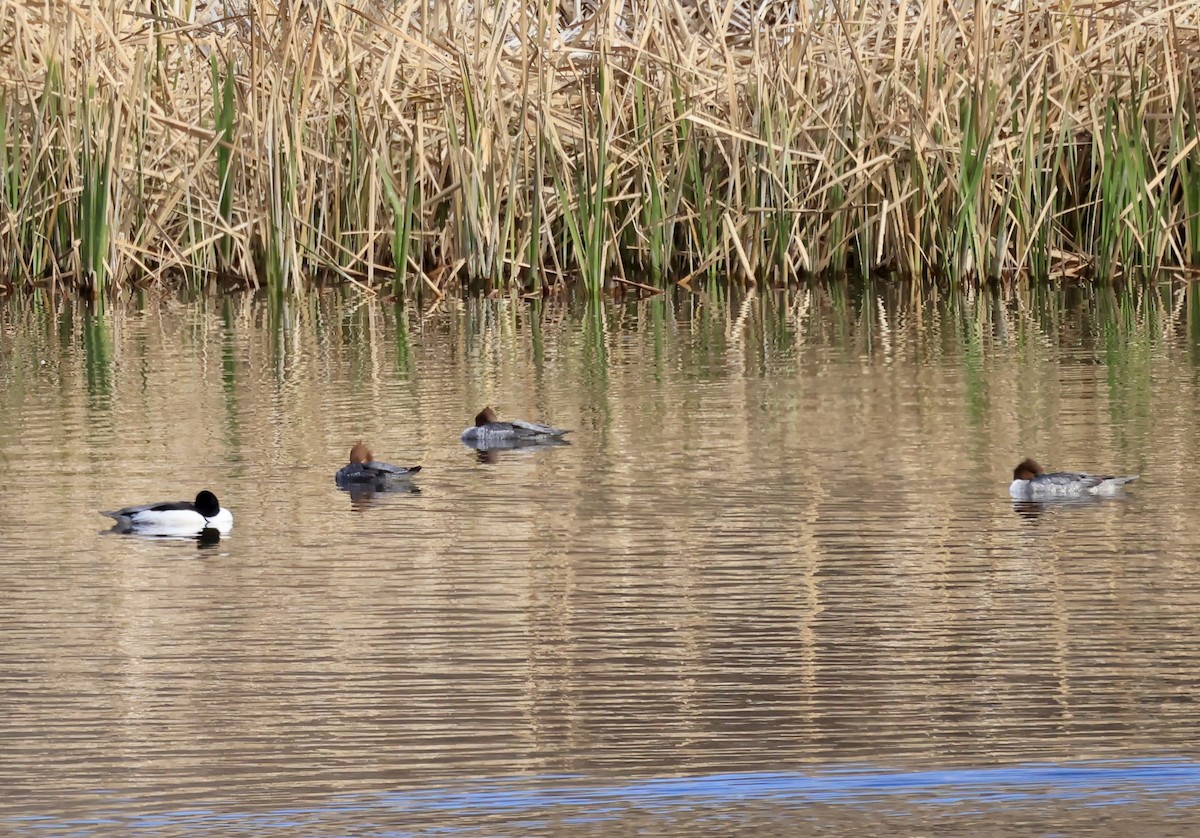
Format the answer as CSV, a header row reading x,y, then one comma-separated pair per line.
x,y
492,452
207,537
776,575
362,495
1035,508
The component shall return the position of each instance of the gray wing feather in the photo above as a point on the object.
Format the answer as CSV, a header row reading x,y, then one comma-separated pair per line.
x,y
387,468
1067,478
535,428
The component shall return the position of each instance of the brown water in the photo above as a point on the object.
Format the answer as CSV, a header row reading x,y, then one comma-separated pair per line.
x,y
774,585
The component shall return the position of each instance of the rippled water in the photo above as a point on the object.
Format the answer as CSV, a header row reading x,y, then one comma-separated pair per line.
x,y
774,584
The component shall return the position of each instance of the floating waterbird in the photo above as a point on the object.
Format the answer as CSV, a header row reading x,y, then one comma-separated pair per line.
x,y
362,470
174,518
489,431
1031,481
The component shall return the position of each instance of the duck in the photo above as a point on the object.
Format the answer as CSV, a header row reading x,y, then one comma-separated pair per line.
x,y
489,430
1031,481
364,470
174,517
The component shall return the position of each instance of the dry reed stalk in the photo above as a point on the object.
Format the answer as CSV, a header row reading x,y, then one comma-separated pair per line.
x,y
275,143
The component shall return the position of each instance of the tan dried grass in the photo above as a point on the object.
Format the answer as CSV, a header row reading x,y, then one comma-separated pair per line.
x,y
516,144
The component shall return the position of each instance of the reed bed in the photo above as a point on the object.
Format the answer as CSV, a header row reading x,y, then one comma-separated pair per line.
x,y
529,146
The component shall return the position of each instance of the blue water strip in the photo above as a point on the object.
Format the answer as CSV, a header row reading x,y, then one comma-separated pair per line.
x,y
1092,783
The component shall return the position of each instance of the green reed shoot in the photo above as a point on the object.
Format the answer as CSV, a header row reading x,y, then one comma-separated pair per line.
x,y
224,123
95,172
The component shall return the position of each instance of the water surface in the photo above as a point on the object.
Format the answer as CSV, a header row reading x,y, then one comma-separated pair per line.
x,y
775,579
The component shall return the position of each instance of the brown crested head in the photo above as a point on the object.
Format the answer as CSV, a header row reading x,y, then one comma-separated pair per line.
x,y
484,416
1027,469
360,453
